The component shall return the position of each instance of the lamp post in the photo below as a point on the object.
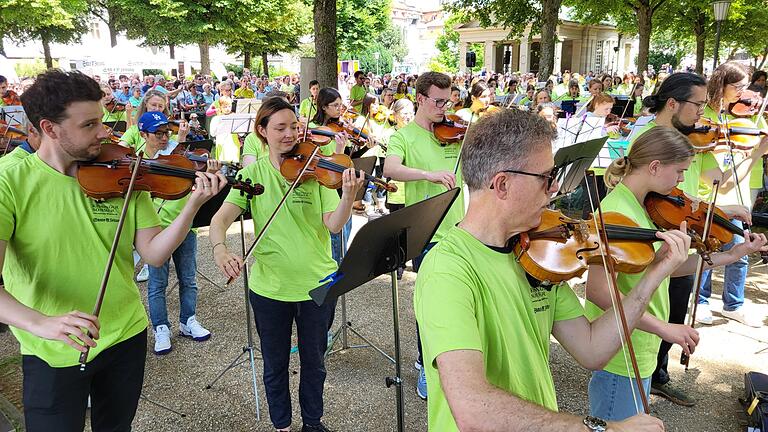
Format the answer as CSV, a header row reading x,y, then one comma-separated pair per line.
x,y
721,14
376,55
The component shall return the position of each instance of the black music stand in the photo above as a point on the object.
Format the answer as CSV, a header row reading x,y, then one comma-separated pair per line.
x,y
573,161
205,213
623,104
381,246
366,164
117,126
206,144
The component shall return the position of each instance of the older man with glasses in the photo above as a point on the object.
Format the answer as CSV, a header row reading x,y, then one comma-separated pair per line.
x,y
427,167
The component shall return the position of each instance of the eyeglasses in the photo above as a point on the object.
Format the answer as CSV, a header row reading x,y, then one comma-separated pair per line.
x,y
549,177
162,134
439,103
335,105
699,105
738,87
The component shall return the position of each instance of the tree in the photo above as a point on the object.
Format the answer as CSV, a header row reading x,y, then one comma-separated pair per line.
x,y
276,28
105,11
515,15
324,14
448,45
49,21
631,17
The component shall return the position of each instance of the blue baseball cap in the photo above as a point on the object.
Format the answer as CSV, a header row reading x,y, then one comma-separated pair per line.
x,y
151,121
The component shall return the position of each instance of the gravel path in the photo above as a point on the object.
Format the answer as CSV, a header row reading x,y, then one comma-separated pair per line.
x,y
356,397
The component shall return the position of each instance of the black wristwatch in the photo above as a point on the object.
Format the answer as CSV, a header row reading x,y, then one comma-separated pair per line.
x,y
595,424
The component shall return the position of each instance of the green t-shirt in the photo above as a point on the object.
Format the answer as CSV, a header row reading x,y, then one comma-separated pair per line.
x,y
308,108
58,242
646,345
418,148
133,138
169,210
466,115
471,297
113,116
297,234
253,147
17,155
357,93
397,197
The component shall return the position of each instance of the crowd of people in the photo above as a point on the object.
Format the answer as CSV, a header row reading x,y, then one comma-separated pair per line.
x,y
483,324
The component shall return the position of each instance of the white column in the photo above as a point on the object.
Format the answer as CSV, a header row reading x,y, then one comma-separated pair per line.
x,y
524,54
462,56
558,57
490,56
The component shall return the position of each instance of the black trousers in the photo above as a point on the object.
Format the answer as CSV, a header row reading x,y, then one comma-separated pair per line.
x,y
55,399
680,289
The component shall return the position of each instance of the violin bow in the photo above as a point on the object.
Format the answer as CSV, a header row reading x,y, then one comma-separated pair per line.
x,y
277,209
631,97
610,274
113,250
685,358
762,108
458,158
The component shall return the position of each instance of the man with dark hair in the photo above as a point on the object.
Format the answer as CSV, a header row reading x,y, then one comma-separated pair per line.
x,y
679,103
48,286
415,157
485,329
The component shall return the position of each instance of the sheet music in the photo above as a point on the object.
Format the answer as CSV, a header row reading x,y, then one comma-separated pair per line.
x,y
247,106
573,130
232,123
15,116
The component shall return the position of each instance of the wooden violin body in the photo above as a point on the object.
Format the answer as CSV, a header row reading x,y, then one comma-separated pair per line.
x,y
562,248
748,104
451,130
739,133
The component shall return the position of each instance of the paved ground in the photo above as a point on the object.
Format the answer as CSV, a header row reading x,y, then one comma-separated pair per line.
x,y
356,397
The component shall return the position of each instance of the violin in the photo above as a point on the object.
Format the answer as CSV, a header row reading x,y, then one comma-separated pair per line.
x,y
324,134
200,159
740,135
748,104
327,170
451,130
625,124
114,106
168,177
10,137
668,211
562,248
11,98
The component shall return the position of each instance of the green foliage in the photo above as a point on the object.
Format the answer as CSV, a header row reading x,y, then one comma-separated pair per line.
x,y
448,45
275,71
276,27
153,72
363,28
658,58
31,68
236,68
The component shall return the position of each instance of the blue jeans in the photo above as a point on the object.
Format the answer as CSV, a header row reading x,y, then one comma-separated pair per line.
x,y
610,396
186,266
336,241
274,323
733,281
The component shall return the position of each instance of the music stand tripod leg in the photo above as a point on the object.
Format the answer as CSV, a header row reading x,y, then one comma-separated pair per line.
x,y
346,325
165,407
397,380
248,348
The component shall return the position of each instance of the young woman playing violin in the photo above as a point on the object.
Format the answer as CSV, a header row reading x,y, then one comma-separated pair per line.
x,y
656,163
403,112
726,87
51,288
279,294
478,100
375,129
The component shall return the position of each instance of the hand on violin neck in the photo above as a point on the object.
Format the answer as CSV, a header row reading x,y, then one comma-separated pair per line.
x,y
352,182
673,253
753,242
739,212
207,185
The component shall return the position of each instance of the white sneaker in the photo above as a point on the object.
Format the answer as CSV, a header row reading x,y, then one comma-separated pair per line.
x,y
162,340
742,316
704,314
192,329
143,275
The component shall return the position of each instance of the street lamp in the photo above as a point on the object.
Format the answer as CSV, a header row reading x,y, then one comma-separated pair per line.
x,y
376,55
721,14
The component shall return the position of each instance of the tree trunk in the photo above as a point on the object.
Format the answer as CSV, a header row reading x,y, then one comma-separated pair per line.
x,y
247,59
2,47
47,51
644,28
265,64
172,51
762,62
550,9
112,30
700,32
205,59
325,42
731,54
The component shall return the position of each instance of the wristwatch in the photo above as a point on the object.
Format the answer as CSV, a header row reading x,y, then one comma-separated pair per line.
x,y
595,424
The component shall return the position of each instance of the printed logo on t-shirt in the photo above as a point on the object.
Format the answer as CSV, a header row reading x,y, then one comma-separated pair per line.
x,y
451,151
539,299
301,196
105,211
